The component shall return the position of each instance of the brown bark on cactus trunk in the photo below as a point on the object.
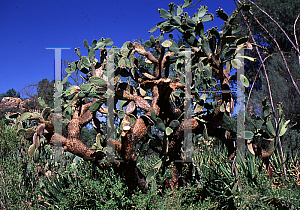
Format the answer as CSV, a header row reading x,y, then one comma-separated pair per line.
x,y
163,107
72,144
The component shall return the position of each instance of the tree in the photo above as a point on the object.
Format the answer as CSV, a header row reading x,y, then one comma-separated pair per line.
x,y
146,107
29,90
10,93
45,90
275,28
274,18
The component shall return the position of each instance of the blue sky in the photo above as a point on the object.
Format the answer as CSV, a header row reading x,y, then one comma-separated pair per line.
x,y
28,27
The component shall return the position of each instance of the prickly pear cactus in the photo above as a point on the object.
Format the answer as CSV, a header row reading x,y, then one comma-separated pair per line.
x,y
264,139
154,92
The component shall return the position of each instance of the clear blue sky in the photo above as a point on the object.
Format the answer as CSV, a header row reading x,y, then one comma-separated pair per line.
x,y
28,27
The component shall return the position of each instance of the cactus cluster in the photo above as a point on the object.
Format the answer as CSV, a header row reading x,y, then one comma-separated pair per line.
x,y
30,130
265,133
263,141
149,104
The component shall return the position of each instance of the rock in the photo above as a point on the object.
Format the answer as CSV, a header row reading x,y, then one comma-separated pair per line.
x,y
10,104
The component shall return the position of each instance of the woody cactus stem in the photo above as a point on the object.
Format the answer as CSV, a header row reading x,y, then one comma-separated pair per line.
x,y
72,144
129,139
160,99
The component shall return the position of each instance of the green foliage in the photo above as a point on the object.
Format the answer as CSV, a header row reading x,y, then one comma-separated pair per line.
x,y
18,177
45,90
8,139
88,136
285,14
10,93
85,188
251,188
281,86
291,142
260,192
282,90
